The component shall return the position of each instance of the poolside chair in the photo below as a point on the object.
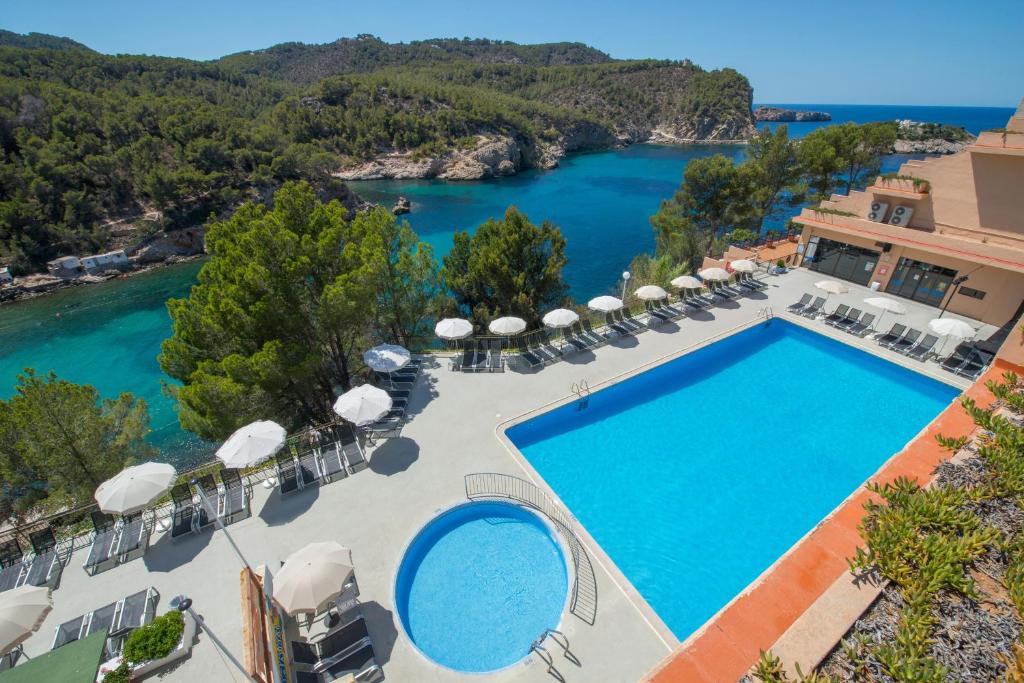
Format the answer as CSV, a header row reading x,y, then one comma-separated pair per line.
x,y
526,354
613,323
974,365
628,319
836,315
850,318
235,501
46,567
812,309
361,664
895,333
352,450
923,348
592,336
287,479
332,462
905,342
101,552
798,306
209,487
495,356
11,577
862,326
308,471
69,631
656,314
10,552
133,538
183,518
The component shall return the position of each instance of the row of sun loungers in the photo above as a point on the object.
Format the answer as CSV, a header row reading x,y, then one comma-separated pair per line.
x,y
116,541
480,355
336,454
230,500
346,650
117,619
966,360
43,567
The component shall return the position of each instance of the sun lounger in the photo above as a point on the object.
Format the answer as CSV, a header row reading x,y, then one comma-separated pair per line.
x,y
287,479
209,487
340,641
352,450
799,305
850,318
973,366
101,552
133,538
361,664
812,309
10,577
10,552
614,323
862,326
958,357
69,631
656,315
895,333
836,315
595,337
905,342
528,355
309,472
332,462
45,568
923,348
235,501
183,513
495,356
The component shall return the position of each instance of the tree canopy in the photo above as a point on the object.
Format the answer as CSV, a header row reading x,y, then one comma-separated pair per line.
x,y
60,440
289,299
508,267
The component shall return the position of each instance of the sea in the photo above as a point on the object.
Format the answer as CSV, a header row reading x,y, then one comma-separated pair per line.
x,y
109,334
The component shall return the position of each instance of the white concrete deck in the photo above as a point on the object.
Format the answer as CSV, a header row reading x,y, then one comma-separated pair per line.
x,y
376,512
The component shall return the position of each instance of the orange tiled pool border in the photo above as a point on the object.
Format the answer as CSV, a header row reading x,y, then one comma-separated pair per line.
x,y
727,646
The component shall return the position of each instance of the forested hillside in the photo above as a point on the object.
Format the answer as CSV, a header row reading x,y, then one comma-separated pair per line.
x,y
87,138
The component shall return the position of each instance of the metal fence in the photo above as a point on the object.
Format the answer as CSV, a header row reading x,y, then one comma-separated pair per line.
x,y
490,485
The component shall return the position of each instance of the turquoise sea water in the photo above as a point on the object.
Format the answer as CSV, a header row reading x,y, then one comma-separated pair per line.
x,y
109,334
697,475
479,584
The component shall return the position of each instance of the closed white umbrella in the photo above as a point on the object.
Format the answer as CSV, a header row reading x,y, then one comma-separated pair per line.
x,y
387,357
605,304
831,287
715,274
363,405
951,327
651,293
687,282
507,325
886,306
453,328
743,266
22,611
135,488
560,317
312,576
252,444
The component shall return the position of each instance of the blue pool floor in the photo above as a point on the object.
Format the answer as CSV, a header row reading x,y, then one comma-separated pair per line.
x,y
697,475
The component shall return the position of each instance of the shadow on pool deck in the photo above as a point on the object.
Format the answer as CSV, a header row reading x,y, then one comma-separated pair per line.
x,y
394,456
168,554
280,509
380,622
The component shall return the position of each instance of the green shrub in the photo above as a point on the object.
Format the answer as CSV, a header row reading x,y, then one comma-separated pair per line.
x,y
121,674
155,640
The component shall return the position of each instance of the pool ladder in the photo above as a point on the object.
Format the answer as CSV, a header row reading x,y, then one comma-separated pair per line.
x,y
766,313
582,392
559,638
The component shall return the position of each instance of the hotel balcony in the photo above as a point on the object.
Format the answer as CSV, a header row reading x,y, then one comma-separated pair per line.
x,y
900,188
1009,143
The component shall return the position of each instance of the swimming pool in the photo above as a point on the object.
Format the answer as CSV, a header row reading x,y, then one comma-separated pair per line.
x,y
697,475
479,584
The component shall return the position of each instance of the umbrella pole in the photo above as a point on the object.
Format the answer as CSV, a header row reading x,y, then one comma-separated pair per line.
x,y
208,506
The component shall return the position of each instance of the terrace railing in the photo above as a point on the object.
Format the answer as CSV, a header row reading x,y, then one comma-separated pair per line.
x,y
490,485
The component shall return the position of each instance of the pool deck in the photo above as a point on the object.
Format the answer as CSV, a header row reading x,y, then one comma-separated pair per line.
x,y
454,431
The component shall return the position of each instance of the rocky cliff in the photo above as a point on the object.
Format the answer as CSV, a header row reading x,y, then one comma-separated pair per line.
x,y
764,113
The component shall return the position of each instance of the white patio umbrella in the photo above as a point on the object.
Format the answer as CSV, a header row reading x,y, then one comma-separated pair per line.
x,y
22,611
135,488
886,306
951,327
453,328
252,444
651,293
687,282
715,274
605,304
831,287
507,325
387,358
743,266
560,317
363,405
311,576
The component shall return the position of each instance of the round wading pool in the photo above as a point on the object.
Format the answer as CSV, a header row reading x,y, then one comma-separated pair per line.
x,y
479,584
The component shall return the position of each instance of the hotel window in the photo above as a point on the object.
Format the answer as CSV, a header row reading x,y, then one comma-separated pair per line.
x,y
921,281
841,260
973,293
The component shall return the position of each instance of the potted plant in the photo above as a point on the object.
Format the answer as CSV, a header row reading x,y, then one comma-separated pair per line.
x,y
149,648
780,266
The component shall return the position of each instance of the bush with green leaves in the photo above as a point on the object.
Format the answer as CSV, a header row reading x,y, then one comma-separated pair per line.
x,y
122,674
155,640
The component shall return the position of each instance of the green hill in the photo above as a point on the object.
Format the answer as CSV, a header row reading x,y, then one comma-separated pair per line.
x,y
38,41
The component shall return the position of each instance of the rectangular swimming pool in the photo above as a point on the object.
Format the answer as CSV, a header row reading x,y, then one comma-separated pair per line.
x,y
697,475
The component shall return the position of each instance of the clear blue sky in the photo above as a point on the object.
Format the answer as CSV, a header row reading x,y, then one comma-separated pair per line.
x,y
870,52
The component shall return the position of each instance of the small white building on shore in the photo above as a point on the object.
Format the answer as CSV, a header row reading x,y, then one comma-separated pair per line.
x,y
5,276
65,266
110,259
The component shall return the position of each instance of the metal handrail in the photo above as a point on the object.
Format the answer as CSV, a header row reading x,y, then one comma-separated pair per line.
x,y
484,485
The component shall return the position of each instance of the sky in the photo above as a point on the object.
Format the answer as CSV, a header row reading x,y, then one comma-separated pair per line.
x,y
941,52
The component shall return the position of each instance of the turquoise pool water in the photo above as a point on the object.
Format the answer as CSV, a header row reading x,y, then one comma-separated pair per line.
x,y
479,584
698,474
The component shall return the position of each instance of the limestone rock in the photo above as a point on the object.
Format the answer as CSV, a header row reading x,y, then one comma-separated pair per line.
x,y
763,113
403,205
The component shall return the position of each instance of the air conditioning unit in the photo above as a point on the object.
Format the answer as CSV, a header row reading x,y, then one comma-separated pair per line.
x,y
877,212
901,216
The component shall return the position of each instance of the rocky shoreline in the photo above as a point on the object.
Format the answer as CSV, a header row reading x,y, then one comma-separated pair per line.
x,y
932,146
780,114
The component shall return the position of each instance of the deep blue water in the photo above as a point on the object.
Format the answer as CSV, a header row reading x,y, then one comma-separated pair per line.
x,y
697,475
479,584
108,335
974,119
